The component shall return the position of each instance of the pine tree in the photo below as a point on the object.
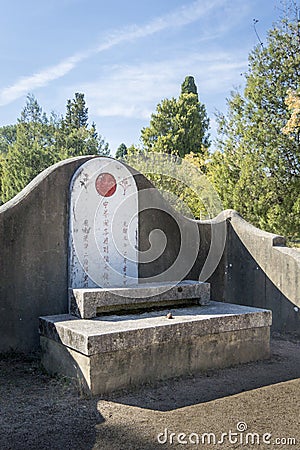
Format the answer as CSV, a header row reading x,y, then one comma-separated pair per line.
x,y
36,142
29,153
75,137
77,112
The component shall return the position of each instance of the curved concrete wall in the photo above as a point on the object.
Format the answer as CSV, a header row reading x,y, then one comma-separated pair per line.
x,y
261,271
252,269
33,255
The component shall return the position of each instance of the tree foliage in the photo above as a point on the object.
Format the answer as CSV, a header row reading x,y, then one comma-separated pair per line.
x,y
8,135
189,86
292,127
121,151
181,181
257,167
179,126
36,142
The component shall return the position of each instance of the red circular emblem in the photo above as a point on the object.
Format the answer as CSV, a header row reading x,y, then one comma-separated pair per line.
x,y
106,184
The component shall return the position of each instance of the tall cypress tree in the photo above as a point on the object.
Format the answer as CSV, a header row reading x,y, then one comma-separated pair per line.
x,y
179,126
189,86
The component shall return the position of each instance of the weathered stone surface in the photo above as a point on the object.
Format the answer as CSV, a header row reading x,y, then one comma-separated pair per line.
x,y
261,272
86,303
120,333
34,255
105,372
103,225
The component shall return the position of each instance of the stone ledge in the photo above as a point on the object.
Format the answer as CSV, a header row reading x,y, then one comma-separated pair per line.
x,y
87,303
138,331
106,372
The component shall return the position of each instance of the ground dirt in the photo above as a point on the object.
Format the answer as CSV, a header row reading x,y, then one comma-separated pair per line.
x,y
40,412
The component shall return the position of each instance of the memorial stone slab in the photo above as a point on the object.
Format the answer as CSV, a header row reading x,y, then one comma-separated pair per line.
x,y
103,226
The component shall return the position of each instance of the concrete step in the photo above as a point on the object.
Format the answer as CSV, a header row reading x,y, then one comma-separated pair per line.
x,y
88,303
112,352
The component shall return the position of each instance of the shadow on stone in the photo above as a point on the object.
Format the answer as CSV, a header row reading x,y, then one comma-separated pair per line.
x,y
248,284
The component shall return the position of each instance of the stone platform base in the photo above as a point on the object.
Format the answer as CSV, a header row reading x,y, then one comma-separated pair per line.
x,y
109,353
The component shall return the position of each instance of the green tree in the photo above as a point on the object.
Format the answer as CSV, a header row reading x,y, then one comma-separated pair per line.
x,y
36,142
179,126
256,169
74,137
121,151
189,86
8,134
30,152
292,127
181,181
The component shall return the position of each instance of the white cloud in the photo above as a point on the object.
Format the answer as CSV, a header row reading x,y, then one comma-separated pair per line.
x,y
134,91
180,17
25,84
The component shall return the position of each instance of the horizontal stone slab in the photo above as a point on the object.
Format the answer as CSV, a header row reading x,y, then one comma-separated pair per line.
x,y
117,333
103,373
87,303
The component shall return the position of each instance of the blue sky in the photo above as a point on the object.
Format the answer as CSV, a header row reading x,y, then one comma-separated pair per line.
x,y
125,56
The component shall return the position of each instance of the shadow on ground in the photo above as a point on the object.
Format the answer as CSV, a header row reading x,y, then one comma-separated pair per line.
x,y
40,412
283,365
